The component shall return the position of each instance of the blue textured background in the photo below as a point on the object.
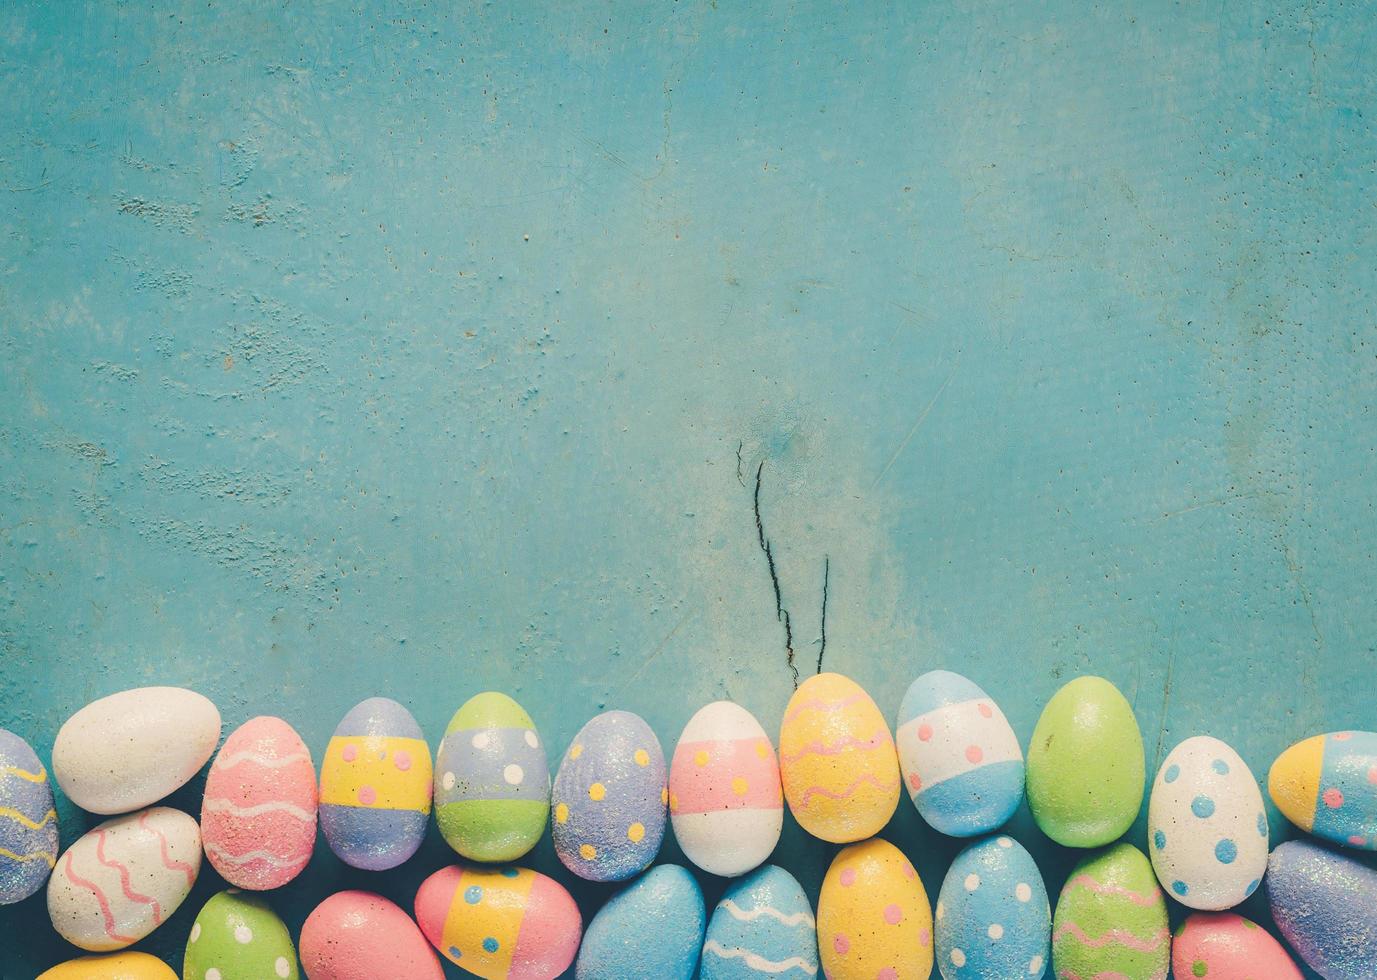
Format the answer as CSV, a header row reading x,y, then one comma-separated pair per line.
x,y
420,349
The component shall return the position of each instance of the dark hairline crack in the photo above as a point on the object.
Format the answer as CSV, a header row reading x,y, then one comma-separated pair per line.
x,y
781,614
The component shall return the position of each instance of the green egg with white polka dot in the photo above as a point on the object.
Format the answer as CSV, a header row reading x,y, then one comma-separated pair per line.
x,y
237,936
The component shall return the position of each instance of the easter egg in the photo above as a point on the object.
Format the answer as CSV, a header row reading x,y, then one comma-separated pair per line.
x,y
28,822
724,793
651,928
129,750
1225,946
959,757
500,922
112,966
993,919
1111,919
358,935
258,817
1325,904
1206,825
492,781
763,928
237,936
375,786
1085,765
609,799
124,878
837,760
874,921
1327,785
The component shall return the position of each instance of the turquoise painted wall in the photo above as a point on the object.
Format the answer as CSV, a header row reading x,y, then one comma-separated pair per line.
x,y
412,349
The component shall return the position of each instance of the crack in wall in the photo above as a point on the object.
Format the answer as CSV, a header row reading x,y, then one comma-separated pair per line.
x,y
781,614
822,631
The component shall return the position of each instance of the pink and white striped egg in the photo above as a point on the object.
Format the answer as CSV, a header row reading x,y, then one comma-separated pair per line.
x,y
258,819
725,800
124,878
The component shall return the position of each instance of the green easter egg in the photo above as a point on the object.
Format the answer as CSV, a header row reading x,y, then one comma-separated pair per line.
x,y
1085,765
1111,919
492,780
237,936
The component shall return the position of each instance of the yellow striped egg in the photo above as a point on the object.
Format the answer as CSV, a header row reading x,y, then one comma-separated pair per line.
x,y
837,760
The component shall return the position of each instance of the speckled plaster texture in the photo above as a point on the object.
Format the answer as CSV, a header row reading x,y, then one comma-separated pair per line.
x,y
618,355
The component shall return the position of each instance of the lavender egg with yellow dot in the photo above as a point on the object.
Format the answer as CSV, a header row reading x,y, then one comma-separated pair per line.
x,y
1207,829
960,758
1327,785
28,822
651,928
762,928
492,780
1324,902
993,919
610,798
375,786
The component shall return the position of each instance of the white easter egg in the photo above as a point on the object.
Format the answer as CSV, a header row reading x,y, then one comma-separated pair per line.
x,y
131,749
124,878
1207,829
725,800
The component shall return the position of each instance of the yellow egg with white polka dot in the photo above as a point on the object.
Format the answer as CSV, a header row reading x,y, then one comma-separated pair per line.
x,y
609,799
874,920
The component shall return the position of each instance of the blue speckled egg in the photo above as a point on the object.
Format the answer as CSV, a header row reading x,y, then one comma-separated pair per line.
x,y
609,799
762,928
28,823
375,786
651,928
993,918
960,758
1325,904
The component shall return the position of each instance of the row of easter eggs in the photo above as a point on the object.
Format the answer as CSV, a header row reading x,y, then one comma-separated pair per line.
x,y
873,920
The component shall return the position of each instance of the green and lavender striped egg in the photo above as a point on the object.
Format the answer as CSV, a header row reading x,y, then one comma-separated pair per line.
x,y
237,936
1112,919
492,780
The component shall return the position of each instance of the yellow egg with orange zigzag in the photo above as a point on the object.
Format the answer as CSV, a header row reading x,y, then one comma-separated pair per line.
x,y
837,760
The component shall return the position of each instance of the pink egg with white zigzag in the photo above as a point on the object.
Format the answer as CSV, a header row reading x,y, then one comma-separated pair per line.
x,y
258,820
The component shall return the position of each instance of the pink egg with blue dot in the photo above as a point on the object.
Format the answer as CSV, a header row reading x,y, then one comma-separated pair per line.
x,y
1207,828
500,923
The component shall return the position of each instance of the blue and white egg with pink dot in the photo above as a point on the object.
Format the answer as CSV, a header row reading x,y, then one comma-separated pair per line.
x,y
1207,829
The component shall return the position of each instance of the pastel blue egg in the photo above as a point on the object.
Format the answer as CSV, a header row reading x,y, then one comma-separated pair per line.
x,y
993,919
960,759
609,799
1325,904
651,928
763,927
28,823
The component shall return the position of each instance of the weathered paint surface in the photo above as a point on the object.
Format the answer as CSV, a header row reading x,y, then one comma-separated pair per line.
x,y
347,349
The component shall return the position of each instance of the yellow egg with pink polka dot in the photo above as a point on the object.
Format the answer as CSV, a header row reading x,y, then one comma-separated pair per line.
x,y
874,920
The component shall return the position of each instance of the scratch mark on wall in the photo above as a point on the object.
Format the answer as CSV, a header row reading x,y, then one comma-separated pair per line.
x,y
822,638
903,443
1166,699
740,477
781,614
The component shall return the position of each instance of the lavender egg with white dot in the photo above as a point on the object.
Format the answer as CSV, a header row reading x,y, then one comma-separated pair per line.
x,y
993,920
1207,828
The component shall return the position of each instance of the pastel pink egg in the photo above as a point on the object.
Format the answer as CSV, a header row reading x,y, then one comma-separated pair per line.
x,y
361,936
500,923
258,819
1225,946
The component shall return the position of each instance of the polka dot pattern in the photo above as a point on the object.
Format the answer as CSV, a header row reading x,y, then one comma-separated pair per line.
x,y
993,916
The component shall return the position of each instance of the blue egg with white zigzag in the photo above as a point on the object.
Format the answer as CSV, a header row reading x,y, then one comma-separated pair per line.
x,y
993,919
961,761
762,928
28,823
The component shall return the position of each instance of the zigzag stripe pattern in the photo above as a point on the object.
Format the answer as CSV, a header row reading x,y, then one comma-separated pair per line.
x,y
126,882
247,857
24,821
258,759
878,740
105,911
750,915
167,859
1137,898
1118,937
757,962
822,704
884,785
222,805
47,856
24,774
